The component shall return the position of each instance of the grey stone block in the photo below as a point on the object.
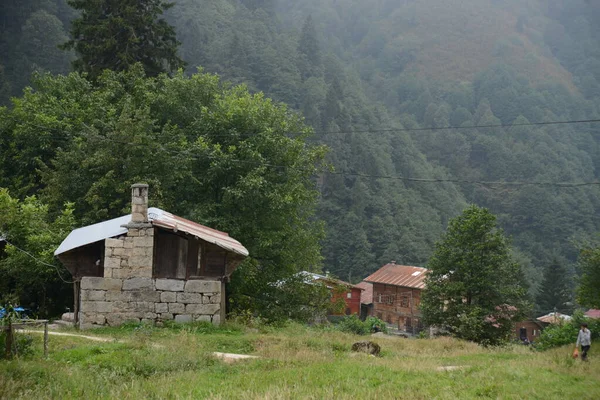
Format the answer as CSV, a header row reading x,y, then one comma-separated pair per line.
x,y
176,308
207,309
204,318
137,283
171,285
93,295
114,243
189,298
199,286
144,295
168,297
117,295
216,319
145,241
183,318
161,307
165,316
100,283
96,306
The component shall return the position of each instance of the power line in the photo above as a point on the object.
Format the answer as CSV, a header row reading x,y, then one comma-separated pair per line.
x,y
441,128
39,261
370,176
431,129
400,178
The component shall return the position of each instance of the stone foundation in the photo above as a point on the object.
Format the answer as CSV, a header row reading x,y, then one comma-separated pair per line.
x,y
113,301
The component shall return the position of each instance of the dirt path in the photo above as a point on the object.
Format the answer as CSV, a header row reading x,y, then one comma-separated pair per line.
x,y
94,338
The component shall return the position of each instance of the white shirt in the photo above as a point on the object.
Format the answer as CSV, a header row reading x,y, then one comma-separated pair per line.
x,y
584,338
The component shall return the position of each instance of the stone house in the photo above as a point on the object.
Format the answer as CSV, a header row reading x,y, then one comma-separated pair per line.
x,y
397,295
149,266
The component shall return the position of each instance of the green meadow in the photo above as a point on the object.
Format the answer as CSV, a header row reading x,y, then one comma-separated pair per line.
x,y
295,362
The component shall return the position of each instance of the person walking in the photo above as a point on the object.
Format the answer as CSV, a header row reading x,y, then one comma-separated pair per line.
x,y
585,340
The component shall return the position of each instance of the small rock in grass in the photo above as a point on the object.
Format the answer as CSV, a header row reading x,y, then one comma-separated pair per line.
x,y
367,347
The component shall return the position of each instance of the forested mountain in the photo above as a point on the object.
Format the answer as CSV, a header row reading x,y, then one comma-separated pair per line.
x,y
369,76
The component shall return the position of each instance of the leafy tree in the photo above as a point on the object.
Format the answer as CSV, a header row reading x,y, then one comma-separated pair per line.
x,y
555,290
115,34
213,153
588,293
27,225
473,288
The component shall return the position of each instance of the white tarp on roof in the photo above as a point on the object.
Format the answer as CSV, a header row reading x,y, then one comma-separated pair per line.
x,y
111,228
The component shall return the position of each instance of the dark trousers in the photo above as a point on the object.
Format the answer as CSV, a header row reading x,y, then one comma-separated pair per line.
x,y
584,351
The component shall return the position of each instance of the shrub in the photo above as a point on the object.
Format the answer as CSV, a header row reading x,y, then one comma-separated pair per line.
x,y
376,325
352,324
22,344
566,333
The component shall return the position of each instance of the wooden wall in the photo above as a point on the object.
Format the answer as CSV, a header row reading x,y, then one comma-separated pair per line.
x,y
397,306
181,256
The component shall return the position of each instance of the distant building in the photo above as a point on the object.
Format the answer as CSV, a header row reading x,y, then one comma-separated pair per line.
x,y
529,331
349,292
366,299
554,318
397,295
595,314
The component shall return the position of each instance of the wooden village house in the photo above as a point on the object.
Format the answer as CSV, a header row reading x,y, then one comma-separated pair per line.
x,y
149,266
397,295
339,289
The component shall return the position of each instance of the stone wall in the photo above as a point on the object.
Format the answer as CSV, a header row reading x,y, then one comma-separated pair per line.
x,y
127,292
130,256
113,301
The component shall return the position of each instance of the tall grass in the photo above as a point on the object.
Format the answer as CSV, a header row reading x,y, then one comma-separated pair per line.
x,y
295,362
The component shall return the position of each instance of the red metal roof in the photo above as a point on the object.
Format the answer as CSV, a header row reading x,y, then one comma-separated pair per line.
x,y
366,296
167,220
399,275
593,314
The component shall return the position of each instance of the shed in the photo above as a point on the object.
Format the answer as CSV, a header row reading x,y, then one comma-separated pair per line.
x,y
150,265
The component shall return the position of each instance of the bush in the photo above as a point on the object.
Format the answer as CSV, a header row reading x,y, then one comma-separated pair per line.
x,y
566,333
352,324
22,344
376,325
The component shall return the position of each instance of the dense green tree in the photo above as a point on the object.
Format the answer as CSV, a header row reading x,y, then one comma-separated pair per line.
x,y
215,154
473,286
588,293
555,291
28,270
309,50
115,34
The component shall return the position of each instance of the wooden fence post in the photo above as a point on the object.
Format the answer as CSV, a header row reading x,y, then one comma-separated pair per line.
x,y
46,339
9,341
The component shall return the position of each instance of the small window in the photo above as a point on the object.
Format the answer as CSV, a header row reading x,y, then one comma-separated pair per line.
x,y
349,295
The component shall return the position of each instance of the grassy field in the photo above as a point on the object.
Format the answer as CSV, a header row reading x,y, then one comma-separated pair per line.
x,y
295,363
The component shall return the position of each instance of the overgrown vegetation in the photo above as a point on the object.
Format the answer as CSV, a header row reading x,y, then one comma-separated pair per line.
x,y
295,362
352,324
565,333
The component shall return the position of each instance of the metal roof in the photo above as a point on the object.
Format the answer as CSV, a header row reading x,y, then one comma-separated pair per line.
x,y
366,296
157,217
553,318
593,313
399,275
311,277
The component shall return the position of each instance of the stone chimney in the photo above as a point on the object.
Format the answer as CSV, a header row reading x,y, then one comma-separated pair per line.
x,y
139,203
